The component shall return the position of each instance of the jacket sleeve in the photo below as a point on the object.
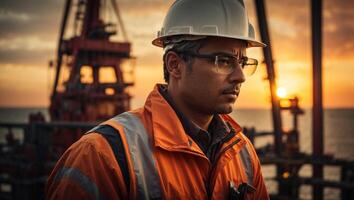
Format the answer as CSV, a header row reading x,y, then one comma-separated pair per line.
x,y
87,170
258,181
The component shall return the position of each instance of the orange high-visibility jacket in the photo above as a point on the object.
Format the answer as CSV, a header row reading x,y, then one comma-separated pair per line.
x,y
162,161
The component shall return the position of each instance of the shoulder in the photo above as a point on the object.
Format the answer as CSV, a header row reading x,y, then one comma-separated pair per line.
x,y
93,141
88,166
90,149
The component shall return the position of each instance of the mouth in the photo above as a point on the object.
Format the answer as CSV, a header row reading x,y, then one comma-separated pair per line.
x,y
233,91
231,95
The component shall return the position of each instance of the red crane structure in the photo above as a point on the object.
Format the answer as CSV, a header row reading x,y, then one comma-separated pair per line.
x,y
94,88
85,95
93,73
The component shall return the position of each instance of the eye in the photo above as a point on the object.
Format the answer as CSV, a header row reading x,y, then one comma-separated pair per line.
x,y
224,60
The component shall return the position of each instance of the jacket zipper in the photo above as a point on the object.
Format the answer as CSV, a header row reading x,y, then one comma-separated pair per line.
x,y
217,157
214,164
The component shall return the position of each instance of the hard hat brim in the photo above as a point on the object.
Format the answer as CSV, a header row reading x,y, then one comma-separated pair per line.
x,y
250,42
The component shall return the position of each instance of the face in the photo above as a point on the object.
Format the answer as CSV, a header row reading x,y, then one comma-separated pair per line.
x,y
203,89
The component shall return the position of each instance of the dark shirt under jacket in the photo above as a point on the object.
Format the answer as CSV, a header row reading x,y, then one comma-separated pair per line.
x,y
208,141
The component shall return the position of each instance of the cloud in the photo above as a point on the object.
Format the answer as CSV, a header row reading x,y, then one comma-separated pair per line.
x,y
282,27
339,29
7,15
31,43
144,7
38,58
290,28
29,33
35,17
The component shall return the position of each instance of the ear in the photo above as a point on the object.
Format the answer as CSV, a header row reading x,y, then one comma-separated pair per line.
x,y
173,64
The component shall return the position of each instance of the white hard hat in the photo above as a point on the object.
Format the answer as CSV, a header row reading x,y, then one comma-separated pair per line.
x,y
220,18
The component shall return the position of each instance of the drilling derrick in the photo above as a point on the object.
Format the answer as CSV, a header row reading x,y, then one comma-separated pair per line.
x,y
93,73
92,70
93,87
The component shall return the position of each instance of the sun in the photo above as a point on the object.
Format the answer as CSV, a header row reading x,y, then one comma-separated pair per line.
x,y
281,92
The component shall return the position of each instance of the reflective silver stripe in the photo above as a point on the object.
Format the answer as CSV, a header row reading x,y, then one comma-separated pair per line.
x,y
247,164
139,144
79,178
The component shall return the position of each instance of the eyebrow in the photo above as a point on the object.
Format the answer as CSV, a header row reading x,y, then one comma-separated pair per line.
x,y
229,54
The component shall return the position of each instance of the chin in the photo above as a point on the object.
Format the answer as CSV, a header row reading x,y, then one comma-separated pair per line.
x,y
226,109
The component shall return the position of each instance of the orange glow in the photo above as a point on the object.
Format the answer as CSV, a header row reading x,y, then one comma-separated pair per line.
x,y
107,75
285,103
128,69
24,54
281,92
86,75
286,175
109,91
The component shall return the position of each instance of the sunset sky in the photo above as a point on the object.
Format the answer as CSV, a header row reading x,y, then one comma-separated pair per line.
x,y
29,33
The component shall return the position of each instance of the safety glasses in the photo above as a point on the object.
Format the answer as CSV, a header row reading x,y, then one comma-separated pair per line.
x,y
226,63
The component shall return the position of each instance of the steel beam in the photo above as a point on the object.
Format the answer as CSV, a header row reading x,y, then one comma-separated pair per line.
x,y
317,109
268,58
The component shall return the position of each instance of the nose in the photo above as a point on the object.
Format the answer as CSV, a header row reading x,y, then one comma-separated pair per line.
x,y
237,75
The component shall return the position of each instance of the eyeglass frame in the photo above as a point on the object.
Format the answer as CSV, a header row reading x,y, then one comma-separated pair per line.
x,y
214,56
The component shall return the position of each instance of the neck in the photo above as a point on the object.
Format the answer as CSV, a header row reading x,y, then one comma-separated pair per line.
x,y
200,119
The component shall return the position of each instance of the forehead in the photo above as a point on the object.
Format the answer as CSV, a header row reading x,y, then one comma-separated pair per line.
x,y
213,44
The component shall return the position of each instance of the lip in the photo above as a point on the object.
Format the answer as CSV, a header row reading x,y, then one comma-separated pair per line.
x,y
231,92
231,95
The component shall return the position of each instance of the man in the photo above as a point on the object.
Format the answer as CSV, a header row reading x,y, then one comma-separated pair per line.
x,y
181,144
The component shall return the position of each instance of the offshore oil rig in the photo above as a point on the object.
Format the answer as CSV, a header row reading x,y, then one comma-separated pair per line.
x,y
81,98
90,84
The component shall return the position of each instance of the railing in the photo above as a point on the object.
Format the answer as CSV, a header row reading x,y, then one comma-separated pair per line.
x,y
295,162
27,155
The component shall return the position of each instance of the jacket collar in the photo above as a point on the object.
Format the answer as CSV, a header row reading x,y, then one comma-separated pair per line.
x,y
168,131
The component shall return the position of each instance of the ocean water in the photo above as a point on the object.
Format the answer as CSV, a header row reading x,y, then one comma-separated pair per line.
x,y
338,141
338,137
338,129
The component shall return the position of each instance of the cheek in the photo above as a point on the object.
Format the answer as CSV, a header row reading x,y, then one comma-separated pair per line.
x,y
203,85
213,84
207,88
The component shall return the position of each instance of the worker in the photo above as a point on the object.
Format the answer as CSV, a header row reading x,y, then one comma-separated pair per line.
x,y
181,144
